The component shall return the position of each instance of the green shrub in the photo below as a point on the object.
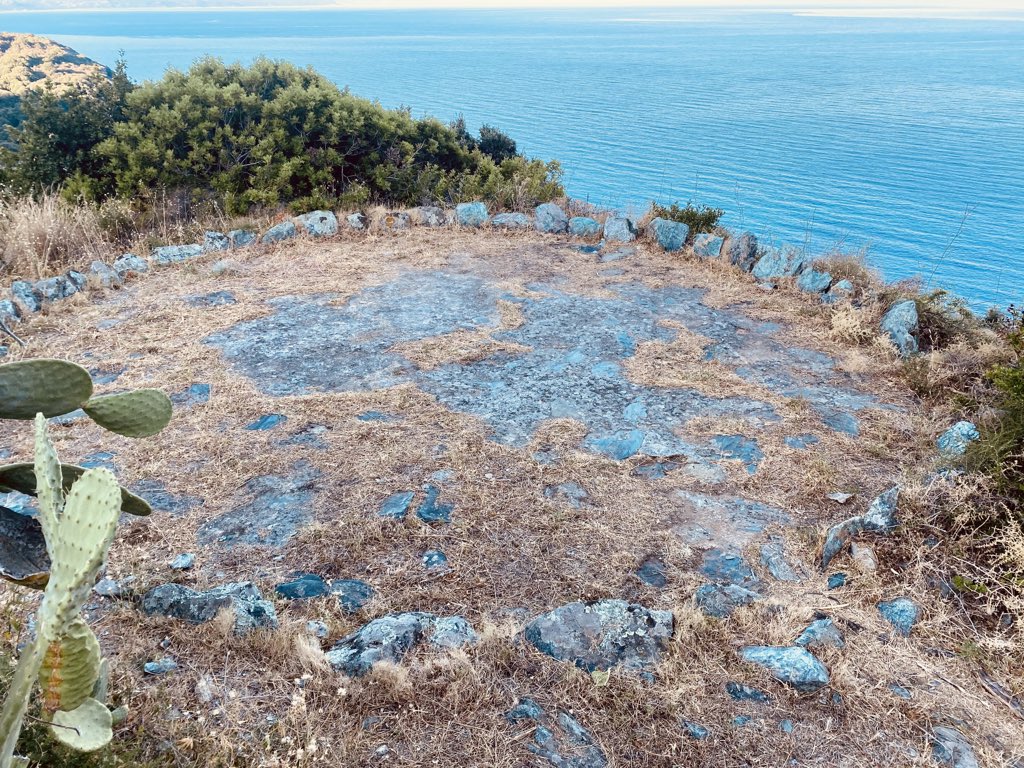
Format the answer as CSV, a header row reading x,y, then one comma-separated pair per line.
x,y
699,218
942,318
496,145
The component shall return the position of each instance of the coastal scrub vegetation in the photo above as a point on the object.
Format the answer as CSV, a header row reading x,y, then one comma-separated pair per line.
x,y
699,218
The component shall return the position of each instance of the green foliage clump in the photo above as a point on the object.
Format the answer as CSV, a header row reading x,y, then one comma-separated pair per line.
x,y
941,319
699,218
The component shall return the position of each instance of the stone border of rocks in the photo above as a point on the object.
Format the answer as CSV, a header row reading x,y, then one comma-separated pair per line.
x,y
765,265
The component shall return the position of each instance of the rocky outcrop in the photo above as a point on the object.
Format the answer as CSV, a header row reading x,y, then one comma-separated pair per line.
x,y
792,665
242,599
900,325
471,214
550,218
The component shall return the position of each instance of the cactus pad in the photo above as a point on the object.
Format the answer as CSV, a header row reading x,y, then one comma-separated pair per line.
x,y
23,557
85,729
70,668
22,478
140,413
50,387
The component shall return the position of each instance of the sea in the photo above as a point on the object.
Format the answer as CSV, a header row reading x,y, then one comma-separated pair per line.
x,y
897,137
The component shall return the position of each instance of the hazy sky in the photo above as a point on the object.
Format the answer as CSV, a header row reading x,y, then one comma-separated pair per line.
x,y
917,6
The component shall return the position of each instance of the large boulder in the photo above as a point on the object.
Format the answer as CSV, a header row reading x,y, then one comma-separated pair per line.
x,y
174,254
707,245
243,599
428,216
284,231
241,237
318,223
105,275
742,250
619,229
215,241
55,288
791,665
584,226
950,747
954,441
603,634
25,298
778,263
356,221
813,281
670,235
843,290
548,217
129,264
471,214
900,323
511,221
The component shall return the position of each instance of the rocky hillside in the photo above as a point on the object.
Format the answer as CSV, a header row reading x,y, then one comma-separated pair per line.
x,y
31,61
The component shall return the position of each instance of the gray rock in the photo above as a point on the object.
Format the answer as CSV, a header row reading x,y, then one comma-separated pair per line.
x,y
107,587
881,515
303,587
396,506
571,493
603,634
669,235
511,221
652,573
471,214
725,567
900,323
902,613
707,245
773,557
742,251
778,263
195,394
241,237
619,229
791,665
243,599
55,288
25,297
317,629
720,600
183,562
77,279
950,747
954,441
356,221
352,594
452,632
434,559
396,221
390,637
318,223
813,281
429,216
162,500
694,730
839,537
433,511
286,230
836,580
215,241
841,291
164,666
215,299
525,709
105,275
584,226
741,692
129,264
9,312
548,217
821,633
166,255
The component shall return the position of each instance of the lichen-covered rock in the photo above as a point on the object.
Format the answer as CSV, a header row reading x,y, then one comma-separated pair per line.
x,y
352,594
243,599
356,221
396,506
318,223
77,279
619,229
778,263
791,665
720,600
105,275
55,288
843,290
396,221
452,632
950,747
286,230
669,235
548,217
902,613
813,281
822,633
839,537
9,312
303,587
881,514
511,221
742,251
584,226
603,634
129,264
707,245
471,214
215,241
428,216
900,323
773,557
954,441
166,255
25,297
741,692
241,237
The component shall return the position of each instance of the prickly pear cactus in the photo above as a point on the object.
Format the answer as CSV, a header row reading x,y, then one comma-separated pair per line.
x,y
21,478
71,668
49,387
140,413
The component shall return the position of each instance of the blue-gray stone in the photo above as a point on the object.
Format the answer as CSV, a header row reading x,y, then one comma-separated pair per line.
x,y
801,442
954,441
434,559
950,747
174,254
841,291
655,470
739,447
183,562
374,416
215,299
839,537
900,691
356,221
129,264
902,613
584,226
548,217
773,557
250,610
786,726
720,600
571,492
791,665
742,251
526,709
431,511
617,254
196,394
162,500
286,230
55,288
471,214
165,666
881,514
215,241
103,459
821,633
740,720
603,634
105,275
619,446
390,637
429,216
8,311
269,421
778,263
652,573
511,221
837,580
741,692
619,229
303,587
670,235
694,730
728,568
900,323
241,237
707,245
396,506
25,296
352,594
77,279
813,281
452,632
318,223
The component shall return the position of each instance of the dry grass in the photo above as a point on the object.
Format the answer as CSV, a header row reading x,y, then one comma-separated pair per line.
x,y
267,699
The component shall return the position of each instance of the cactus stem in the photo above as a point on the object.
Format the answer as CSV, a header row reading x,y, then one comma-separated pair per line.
x,y
18,698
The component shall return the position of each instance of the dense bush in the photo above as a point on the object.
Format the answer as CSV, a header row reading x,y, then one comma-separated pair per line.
x,y
263,135
699,218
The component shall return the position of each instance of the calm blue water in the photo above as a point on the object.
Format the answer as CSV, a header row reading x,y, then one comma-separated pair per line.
x,y
889,135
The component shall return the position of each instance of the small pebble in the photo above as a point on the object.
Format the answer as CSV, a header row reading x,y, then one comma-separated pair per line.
x,y
162,667
837,580
183,562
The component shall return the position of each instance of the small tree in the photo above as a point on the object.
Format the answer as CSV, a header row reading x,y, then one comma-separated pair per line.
x,y
497,145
